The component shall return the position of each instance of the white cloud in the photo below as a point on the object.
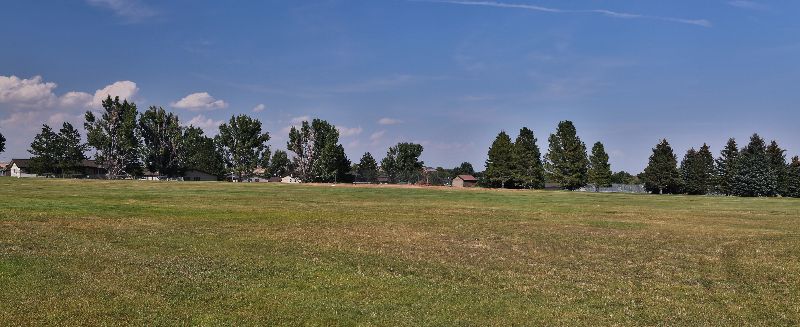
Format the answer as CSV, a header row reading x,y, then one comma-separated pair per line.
x,y
259,108
76,99
209,126
344,131
125,90
389,121
201,101
131,9
377,136
299,119
604,12
26,92
744,4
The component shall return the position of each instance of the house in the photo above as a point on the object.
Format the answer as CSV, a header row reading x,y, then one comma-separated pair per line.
x,y
196,175
275,179
20,168
290,180
465,181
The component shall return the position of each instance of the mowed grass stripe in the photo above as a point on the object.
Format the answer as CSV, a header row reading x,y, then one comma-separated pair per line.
x,y
120,252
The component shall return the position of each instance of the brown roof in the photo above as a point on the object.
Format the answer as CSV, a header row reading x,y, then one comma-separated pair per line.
x,y
467,178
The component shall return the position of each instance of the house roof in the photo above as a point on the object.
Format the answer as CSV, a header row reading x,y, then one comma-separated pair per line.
x,y
467,178
25,163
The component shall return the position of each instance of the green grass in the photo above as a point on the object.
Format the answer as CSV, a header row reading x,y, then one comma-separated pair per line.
x,y
159,253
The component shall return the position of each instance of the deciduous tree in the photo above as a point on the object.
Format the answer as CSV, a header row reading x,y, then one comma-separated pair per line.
x,y
115,137
243,145
280,165
465,168
200,152
402,163
161,133
566,162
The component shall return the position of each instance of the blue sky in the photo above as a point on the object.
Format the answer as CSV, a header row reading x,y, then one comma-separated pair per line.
x,y
447,74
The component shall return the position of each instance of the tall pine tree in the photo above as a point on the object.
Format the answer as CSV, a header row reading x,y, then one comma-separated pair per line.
x,y
71,151
2,143
726,167
793,178
500,164
755,176
599,168
367,169
697,169
566,162
777,160
44,150
527,166
662,175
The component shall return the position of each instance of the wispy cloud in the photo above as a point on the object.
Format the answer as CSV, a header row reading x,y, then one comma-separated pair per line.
x,y
389,121
604,12
745,4
134,10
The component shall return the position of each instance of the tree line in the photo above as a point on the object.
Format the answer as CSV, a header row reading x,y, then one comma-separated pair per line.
x,y
126,142
757,169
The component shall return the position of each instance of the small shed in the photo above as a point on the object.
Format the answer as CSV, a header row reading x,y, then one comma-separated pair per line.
x,y
465,181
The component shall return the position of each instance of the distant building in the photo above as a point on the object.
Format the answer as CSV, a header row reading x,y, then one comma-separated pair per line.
x,y
465,181
274,179
20,168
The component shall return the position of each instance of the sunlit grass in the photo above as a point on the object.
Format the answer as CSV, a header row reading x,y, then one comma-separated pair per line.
x,y
155,253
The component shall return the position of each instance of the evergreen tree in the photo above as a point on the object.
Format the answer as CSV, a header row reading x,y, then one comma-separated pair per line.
x,y
44,150
662,175
161,133
527,165
2,143
566,162
280,164
500,164
464,169
367,168
777,160
243,145
755,176
726,166
697,169
200,152
793,178
71,151
599,168
115,137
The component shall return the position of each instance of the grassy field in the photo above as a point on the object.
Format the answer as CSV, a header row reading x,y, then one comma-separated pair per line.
x,y
160,253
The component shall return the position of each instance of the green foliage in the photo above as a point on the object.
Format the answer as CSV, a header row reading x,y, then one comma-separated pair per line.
x,y
697,170
367,169
44,149
599,168
566,162
527,161
161,133
200,152
115,137
57,153
402,164
726,166
662,175
793,178
280,164
243,145
755,176
777,161
318,155
500,164
2,143
624,177
464,169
